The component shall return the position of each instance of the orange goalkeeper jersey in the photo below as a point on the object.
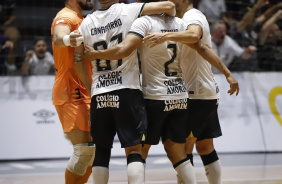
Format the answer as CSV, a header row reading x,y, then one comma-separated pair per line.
x,y
67,81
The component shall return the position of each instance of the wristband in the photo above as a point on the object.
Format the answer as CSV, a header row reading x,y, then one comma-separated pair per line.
x,y
66,40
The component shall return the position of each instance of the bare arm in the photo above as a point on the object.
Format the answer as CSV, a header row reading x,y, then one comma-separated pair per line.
x,y
159,7
249,17
124,49
191,35
269,12
62,30
266,28
80,68
59,32
210,55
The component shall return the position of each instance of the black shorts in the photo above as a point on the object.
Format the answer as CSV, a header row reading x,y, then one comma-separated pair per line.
x,y
203,119
166,120
122,112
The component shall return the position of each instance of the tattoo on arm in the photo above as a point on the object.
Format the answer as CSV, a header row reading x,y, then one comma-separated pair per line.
x,y
78,57
222,68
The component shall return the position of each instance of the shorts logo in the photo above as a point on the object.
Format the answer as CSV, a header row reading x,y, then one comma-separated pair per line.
x,y
175,104
175,86
44,115
104,101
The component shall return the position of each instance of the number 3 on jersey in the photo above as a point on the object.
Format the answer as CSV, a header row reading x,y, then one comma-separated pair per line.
x,y
117,37
167,73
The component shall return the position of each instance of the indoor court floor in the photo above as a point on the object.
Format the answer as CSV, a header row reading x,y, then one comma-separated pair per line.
x,y
241,168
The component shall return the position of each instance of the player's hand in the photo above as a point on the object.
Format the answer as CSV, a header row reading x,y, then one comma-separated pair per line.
x,y
75,38
90,52
153,39
234,86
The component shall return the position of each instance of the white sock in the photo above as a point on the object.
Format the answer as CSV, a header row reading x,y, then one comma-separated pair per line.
x,y
144,164
186,171
100,175
179,179
136,173
213,172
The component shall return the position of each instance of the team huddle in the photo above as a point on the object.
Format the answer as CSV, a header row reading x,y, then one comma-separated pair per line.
x,y
172,97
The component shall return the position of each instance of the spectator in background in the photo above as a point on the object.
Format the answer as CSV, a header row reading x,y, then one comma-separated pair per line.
x,y
38,61
245,35
226,47
7,29
6,55
213,9
236,9
270,44
7,19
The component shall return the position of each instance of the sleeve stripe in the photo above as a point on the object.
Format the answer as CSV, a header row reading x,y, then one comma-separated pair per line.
x,y
141,11
135,33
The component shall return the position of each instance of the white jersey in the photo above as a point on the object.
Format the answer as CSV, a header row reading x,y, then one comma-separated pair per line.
x,y
161,71
41,66
227,51
197,72
103,29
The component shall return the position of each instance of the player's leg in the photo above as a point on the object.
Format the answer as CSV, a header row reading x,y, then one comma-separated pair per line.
x,y
174,137
145,151
75,122
135,164
204,144
177,155
155,118
189,145
79,166
100,170
210,160
103,131
131,125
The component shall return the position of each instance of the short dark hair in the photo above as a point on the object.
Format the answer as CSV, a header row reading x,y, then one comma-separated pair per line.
x,y
39,39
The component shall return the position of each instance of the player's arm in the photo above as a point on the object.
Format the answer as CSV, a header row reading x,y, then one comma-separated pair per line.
x,y
80,68
159,7
124,49
63,36
210,55
193,34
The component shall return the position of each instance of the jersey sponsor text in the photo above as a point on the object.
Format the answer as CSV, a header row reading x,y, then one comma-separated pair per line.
x,y
175,86
109,79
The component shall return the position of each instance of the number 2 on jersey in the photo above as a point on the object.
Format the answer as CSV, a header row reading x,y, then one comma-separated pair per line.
x,y
167,73
117,37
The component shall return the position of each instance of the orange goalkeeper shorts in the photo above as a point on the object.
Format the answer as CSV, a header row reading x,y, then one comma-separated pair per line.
x,y
74,116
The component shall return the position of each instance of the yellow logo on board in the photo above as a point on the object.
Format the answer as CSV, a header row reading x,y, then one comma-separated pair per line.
x,y
272,95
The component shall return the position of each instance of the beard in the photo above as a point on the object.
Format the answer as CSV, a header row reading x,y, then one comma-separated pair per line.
x,y
85,6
